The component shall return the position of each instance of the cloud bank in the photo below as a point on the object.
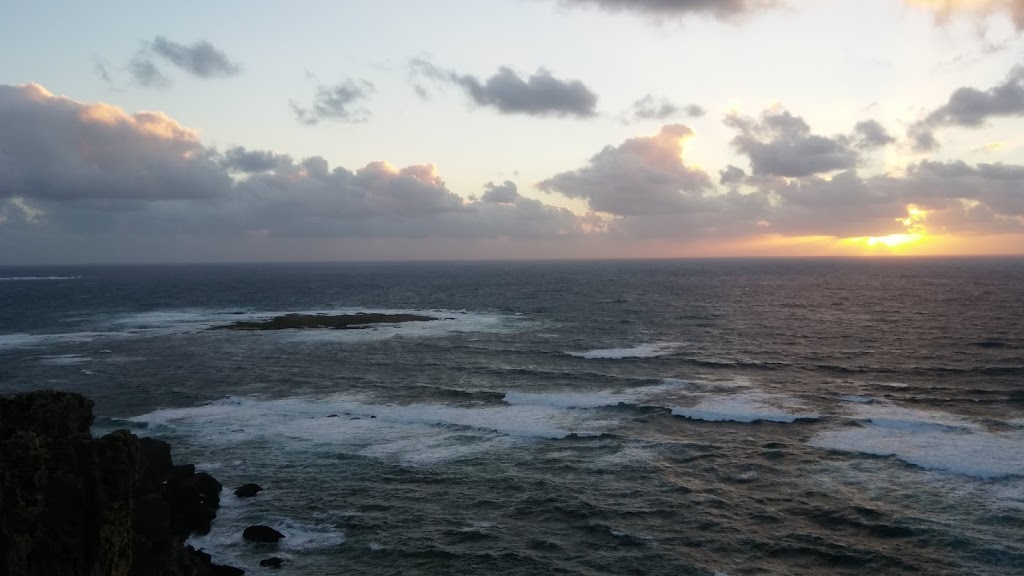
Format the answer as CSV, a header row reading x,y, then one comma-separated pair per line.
x,y
77,176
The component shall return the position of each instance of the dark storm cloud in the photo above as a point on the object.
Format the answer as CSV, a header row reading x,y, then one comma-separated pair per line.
x,y
336,102
971,108
542,94
669,8
200,59
643,175
503,193
781,144
870,134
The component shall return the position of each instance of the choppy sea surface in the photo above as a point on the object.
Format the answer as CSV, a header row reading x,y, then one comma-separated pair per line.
x,y
660,417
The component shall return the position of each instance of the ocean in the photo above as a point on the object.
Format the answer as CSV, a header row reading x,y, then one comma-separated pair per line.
x,y
739,417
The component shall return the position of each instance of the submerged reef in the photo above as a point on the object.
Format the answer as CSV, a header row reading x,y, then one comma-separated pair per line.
x,y
332,322
75,505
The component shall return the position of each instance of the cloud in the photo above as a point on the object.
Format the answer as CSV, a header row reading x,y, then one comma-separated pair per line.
x,y
144,72
945,8
781,144
731,175
644,175
336,103
870,134
200,59
675,8
971,108
539,95
93,171
53,148
238,159
504,193
650,193
651,108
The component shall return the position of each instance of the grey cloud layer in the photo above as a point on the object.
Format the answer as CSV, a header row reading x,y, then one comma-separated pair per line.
x,y
542,94
336,102
68,167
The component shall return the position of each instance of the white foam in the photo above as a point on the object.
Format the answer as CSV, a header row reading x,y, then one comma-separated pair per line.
x,y
652,350
930,440
746,407
416,434
36,278
569,399
64,359
23,340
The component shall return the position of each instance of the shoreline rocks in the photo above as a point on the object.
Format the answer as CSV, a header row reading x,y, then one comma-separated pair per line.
x,y
261,533
248,490
75,505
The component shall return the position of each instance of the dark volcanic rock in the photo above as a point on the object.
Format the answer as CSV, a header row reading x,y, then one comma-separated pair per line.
x,y
338,322
248,490
74,505
261,533
272,562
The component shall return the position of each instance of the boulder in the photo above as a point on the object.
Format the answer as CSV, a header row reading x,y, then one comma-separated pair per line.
x,y
248,490
261,533
272,562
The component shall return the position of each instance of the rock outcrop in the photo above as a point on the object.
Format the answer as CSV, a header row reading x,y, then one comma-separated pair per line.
x,y
331,322
248,490
261,533
74,505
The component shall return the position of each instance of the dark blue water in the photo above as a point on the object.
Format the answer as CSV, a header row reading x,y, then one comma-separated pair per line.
x,y
671,417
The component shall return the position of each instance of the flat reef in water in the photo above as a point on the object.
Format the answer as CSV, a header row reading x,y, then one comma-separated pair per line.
x,y
355,321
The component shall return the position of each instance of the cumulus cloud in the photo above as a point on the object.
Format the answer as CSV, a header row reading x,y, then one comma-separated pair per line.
x,y
79,169
542,94
646,187
781,144
503,193
336,102
644,175
54,148
671,8
970,107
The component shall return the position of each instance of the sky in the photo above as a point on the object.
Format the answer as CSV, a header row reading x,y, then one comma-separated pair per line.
x,y
509,129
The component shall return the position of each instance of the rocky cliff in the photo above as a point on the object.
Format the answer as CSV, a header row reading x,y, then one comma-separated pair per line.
x,y
74,505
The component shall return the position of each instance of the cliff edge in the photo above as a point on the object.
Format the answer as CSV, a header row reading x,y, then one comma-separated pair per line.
x,y
75,505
